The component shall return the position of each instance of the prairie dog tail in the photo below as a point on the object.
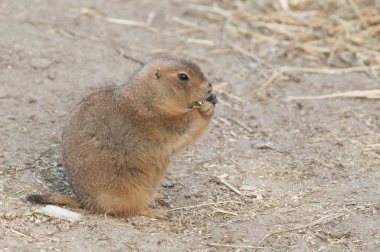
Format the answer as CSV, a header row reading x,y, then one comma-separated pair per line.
x,y
56,199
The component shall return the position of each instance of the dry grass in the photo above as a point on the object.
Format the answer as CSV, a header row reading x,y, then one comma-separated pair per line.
x,y
343,35
310,28
327,30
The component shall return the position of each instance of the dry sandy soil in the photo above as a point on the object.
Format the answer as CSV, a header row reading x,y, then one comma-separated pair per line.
x,y
304,174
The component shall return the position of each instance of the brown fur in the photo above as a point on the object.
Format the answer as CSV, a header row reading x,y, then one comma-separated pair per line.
x,y
118,141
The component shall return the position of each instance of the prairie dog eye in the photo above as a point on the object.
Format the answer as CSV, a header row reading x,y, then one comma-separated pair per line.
x,y
183,77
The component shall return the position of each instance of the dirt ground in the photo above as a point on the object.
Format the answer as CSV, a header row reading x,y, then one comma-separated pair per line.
x,y
271,174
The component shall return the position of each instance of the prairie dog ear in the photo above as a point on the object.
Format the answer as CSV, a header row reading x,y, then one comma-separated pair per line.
x,y
158,75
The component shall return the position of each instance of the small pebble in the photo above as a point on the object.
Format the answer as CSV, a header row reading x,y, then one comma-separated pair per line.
x,y
40,63
264,146
255,195
167,183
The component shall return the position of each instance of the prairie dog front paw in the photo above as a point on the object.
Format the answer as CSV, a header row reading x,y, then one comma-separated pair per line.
x,y
207,108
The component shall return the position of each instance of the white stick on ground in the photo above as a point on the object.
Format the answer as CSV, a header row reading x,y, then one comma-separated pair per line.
x,y
59,212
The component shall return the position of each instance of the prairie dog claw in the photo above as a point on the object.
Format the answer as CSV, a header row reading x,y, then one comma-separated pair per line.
x,y
198,104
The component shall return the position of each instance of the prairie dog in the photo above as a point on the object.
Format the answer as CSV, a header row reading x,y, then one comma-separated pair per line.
x,y
118,141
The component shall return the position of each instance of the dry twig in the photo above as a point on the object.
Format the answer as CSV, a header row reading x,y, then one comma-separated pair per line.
x,y
364,94
233,246
218,210
330,71
132,23
374,147
221,180
22,234
358,13
205,204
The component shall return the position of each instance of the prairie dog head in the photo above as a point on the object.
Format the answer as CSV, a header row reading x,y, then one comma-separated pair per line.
x,y
176,84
